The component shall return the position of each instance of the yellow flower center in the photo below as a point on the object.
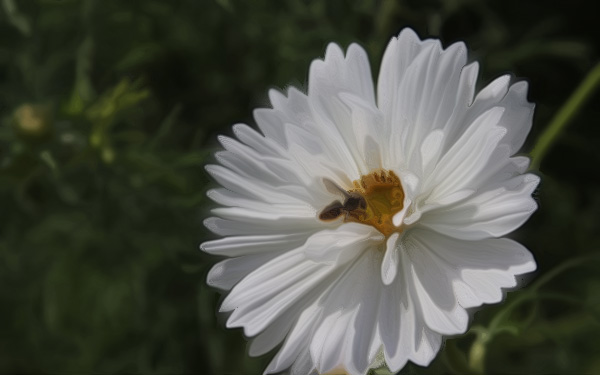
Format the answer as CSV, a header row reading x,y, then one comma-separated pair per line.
x,y
374,200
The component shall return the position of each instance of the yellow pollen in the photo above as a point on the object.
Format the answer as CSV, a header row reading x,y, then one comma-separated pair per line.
x,y
374,200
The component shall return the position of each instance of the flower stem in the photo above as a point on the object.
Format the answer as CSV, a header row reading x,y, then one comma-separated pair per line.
x,y
575,262
476,360
477,353
564,115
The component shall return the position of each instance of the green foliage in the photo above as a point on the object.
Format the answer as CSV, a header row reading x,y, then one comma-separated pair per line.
x,y
109,110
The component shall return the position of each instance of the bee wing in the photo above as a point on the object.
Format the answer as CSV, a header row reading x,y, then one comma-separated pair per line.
x,y
332,212
334,188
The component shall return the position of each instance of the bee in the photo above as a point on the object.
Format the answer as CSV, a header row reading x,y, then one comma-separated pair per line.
x,y
354,203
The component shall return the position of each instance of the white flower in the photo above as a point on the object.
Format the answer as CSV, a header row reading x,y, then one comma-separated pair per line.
x,y
363,222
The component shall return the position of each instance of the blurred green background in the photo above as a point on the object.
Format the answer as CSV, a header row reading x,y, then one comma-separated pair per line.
x,y
110,109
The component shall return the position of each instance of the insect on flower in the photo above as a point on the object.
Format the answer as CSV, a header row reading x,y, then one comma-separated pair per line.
x,y
354,205
363,222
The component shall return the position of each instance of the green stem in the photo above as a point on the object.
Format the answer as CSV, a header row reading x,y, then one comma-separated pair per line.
x,y
564,115
530,292
476,360
477,354
561,268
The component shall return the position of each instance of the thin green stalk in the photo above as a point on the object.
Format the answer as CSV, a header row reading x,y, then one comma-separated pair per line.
x,y
564,115
543,279
476,359
477,354
531,291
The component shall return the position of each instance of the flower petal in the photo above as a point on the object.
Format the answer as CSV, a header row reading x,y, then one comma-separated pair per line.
x,y
235,246
275,333
462,164
341,244
417,89
225,274
337,73
404,334
294,275
252,188
310,138
391,316
329,80
492,213
517,118
389,265
344,336
297,341
270,291
479,268
431,288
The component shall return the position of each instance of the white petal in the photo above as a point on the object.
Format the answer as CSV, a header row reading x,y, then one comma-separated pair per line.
x,y
235,246
274,334
373,153
431,149
228,198
271,290
407,338
367,124
518,114
491,213
341,244
328,79
224,227
344,337
336,73
256,141
225,274
480,268
462,164
389,265
331,341
466,85
253,188
295,213
311,140
297,341
246,161
399,55
303,365
389,321
272,124
417,89
427,347
237,221
426,104
432,289
517,117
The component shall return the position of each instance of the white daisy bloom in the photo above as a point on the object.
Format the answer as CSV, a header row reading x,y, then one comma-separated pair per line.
x,y
364,223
